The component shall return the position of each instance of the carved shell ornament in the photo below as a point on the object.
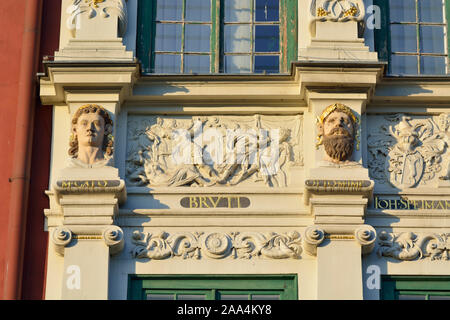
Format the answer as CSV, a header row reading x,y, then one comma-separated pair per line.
x,y
95,8
336,11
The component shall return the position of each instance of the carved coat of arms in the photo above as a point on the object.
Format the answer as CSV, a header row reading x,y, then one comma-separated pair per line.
x,y
408,153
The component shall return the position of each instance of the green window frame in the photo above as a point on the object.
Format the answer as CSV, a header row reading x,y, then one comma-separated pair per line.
x,y
383,43
415,288
213,287
146,36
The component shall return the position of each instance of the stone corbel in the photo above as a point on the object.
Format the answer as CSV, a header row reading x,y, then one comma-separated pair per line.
x,y
112,235
364,235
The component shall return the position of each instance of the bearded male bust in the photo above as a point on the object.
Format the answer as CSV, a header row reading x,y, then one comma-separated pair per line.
x,y
91,144
337,132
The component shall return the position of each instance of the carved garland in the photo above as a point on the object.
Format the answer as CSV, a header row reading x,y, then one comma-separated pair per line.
x,y
216,245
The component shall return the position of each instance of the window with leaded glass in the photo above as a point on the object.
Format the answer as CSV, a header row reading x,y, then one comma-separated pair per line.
x,y
414,38
217,36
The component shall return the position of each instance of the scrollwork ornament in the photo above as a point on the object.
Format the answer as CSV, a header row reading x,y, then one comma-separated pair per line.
x,y
408,246
366,236
216,245
113,237
314,236
61,237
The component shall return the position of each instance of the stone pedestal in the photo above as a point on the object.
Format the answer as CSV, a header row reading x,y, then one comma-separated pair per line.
x,y
333,32
94,31
89,200
337,198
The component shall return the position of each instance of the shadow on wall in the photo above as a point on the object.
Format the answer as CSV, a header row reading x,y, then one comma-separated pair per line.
x,y
158,89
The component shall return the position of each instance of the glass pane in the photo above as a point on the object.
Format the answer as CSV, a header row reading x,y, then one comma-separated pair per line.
x,y
234,297
238,64
167,63
403,64
237,38
198,10
402,10
265,297
410,297
439,297
191,297
153,296
168,37
267,10
169,10
403,38
432,39
431,11
432,65
197,38
269,64
238,10
267,39
196,64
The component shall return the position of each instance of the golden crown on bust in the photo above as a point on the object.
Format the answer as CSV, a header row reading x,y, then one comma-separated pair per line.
x,y
337,107
342,108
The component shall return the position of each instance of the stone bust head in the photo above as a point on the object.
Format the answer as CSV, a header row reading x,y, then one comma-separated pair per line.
x,y
337,129
91,142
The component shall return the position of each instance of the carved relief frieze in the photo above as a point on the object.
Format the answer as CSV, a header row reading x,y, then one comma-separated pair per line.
x,y
408,246
406,151
216,245
212,150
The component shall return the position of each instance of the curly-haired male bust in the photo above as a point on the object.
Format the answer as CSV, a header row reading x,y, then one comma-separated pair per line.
x,y
91,145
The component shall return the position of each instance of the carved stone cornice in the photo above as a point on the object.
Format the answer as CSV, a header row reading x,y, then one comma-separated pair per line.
x,y
409,246
216,245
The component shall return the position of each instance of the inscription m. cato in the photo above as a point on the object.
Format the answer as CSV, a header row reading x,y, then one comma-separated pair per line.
x,y
407,204
202,202
87,184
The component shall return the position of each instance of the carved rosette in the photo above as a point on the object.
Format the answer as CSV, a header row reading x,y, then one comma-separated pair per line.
x,y
61,237
216,245
408,246
314,236
113,237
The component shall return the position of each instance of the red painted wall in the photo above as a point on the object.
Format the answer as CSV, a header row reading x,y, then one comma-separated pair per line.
x,y
11,24
36,242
